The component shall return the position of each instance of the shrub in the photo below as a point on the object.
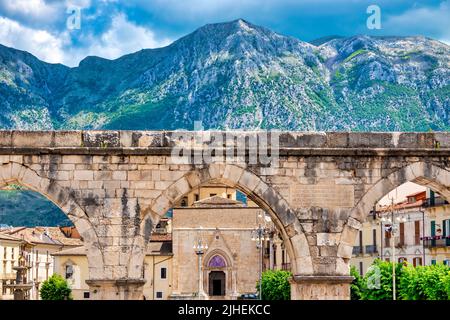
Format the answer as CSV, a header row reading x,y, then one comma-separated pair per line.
x,y
56,288
275,285
357,284
377,283
412,283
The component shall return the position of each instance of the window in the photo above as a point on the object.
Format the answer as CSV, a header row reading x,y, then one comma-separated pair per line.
x,y
417,261
446,231
229,196
184,202
163,273
387,237
275,255
446,227
433,262
12,254
212,194
402,260
197,197
374,237
69,271
86,295
402,234
4,252
360,241
447,262
217,262
159,294
416,232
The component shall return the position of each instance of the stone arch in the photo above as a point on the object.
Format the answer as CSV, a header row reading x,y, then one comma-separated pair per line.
x,y
423,173
255,188
13,172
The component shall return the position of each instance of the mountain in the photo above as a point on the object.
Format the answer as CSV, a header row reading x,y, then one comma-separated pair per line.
x,y
237,75
29,209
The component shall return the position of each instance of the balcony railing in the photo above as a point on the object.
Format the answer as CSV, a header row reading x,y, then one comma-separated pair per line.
x,y
357,250
371,249
436,242
437,202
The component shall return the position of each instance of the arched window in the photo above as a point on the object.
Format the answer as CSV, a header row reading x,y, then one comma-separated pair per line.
x,y
217,262
69,271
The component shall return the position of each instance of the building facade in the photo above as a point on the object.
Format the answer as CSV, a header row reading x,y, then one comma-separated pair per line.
x,y
37,245
10,248
72,265
422,238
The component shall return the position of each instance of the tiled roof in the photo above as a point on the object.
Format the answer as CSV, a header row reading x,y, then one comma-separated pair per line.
x,y
4,236
43,235
77,251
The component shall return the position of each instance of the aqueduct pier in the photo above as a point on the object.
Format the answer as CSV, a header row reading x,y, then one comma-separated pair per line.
x,y
115,186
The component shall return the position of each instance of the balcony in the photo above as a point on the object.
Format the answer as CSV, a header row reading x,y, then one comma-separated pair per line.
x,y
436,242
437,202
371,249
357,250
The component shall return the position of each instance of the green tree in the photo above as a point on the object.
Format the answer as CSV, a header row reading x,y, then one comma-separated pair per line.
x,y
357,284
377,283
412,283
275,285
425,283
56,288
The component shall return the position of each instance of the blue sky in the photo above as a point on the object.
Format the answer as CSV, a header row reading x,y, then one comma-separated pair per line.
x,y
111,28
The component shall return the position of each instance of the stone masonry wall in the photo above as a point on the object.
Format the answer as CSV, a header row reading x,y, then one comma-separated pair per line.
x,y
114,186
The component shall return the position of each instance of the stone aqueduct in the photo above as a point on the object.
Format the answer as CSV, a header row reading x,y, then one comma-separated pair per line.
x,y
115,185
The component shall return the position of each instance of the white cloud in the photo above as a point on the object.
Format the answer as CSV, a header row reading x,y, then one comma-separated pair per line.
x,y
121,38
41,43
35,10
433,22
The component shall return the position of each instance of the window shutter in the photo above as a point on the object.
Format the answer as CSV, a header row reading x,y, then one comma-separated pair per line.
x,y
444,227
433,228
402,233
416,232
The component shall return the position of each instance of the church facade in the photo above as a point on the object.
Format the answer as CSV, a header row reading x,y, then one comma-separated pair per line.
x,y
230,260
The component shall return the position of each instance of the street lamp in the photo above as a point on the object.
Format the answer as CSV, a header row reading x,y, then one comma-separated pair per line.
x,y
259,235
200,247
393,228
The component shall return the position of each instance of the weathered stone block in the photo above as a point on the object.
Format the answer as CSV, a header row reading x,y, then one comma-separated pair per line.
x,y
83,175
328,239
